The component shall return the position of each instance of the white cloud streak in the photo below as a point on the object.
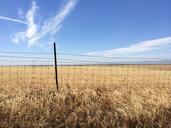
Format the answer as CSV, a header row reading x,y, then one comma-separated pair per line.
x,y
50,26
13,20
31,29
53,25
143,46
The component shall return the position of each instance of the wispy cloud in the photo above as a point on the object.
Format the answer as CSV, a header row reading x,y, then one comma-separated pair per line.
x,y
13,20
53,25
31,29
50,26
143,46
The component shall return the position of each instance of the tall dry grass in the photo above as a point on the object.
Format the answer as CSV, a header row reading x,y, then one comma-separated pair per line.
x,y
111,105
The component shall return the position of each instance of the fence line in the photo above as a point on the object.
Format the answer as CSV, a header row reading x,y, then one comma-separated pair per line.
x,y
28,68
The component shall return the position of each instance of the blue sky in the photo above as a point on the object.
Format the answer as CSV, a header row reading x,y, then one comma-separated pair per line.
x,y
93,27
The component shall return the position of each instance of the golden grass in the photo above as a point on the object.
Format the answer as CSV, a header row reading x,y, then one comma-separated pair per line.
x,y
93,96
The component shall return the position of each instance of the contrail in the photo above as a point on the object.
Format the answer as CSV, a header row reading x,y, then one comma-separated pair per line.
x,y
14,20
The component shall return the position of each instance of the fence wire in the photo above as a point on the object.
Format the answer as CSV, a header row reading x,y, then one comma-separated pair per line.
x,y
82,70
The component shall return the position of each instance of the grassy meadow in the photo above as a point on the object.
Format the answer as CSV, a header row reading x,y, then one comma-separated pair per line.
x,y
100,96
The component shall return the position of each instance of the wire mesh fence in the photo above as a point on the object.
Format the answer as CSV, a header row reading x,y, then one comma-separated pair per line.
x,y
26,69
95,70
77,70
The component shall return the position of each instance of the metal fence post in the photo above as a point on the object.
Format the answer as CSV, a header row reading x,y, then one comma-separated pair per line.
x,y
56,71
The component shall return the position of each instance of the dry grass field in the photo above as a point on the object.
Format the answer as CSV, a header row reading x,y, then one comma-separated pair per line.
x,y
117,96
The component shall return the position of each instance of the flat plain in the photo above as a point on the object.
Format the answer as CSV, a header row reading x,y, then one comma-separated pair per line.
x,y
88,96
